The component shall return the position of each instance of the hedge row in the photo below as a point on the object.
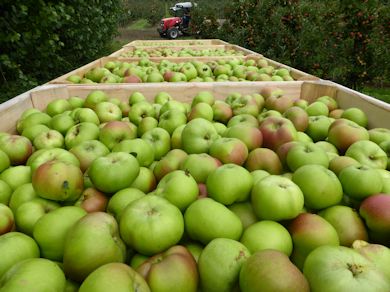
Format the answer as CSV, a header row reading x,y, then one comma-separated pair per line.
x,y
41,40
346,41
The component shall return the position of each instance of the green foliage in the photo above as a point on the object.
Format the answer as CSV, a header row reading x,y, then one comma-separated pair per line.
x,y
345,41
41,40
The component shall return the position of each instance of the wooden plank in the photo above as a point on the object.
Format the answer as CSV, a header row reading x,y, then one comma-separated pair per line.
x,y
120,53
11,110
166,42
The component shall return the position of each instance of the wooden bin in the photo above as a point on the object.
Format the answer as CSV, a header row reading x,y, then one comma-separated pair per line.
x,y
124,50
295,73
173,43
378,112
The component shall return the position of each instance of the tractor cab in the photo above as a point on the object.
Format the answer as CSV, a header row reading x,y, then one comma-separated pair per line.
x,y
172,27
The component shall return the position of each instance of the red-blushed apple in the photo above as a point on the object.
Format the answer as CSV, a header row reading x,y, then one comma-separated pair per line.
x,y
283,150
197,136
116,131
251,136
170,162
7,221
145,181
220,221
375,212
200,166
269,113
58,181
309,231
220,264
113,172
119,201
176,264
18,148
87,151
51,229
318,195
264,159
222,112
229,183
350,228
42,274
151,224
267,234
271,270
339,268
277,131
229,150
305,154
81,132
276,198
298,117
92,242
360,181
132,79
368,153
343,133
16,247
39,157
338,163
280,103
92,200
376,253
179,188
202,190
114,277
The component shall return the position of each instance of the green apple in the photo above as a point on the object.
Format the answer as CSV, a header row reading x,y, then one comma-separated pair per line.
x,y
81,132
229,183
81,115
220,221
32,131
61,123
276,198
114,277
92,242
58,106
267,234
356,115
200,166
151,224
5,193
18,148
368,153
95,97
16,176
220,263
51,229
338,268
87,151
33,274
119,201
48,140
198,135
141,149
305,154
114,171
160,140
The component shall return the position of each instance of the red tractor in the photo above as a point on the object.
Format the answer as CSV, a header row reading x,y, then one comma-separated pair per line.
x,y
179,24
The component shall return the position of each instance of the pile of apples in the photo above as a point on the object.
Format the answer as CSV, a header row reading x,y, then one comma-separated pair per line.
x,y
145,70
181,52
256,192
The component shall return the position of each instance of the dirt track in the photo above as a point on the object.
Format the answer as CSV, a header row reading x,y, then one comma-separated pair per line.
x,y
128,35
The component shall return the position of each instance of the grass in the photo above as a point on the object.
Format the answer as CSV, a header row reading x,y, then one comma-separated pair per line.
x,y
379,93
139,24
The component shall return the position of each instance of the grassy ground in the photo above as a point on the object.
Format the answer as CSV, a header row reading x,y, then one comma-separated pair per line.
x,y
379,93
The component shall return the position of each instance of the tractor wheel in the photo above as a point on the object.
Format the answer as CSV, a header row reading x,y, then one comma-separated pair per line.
x,y
173,33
